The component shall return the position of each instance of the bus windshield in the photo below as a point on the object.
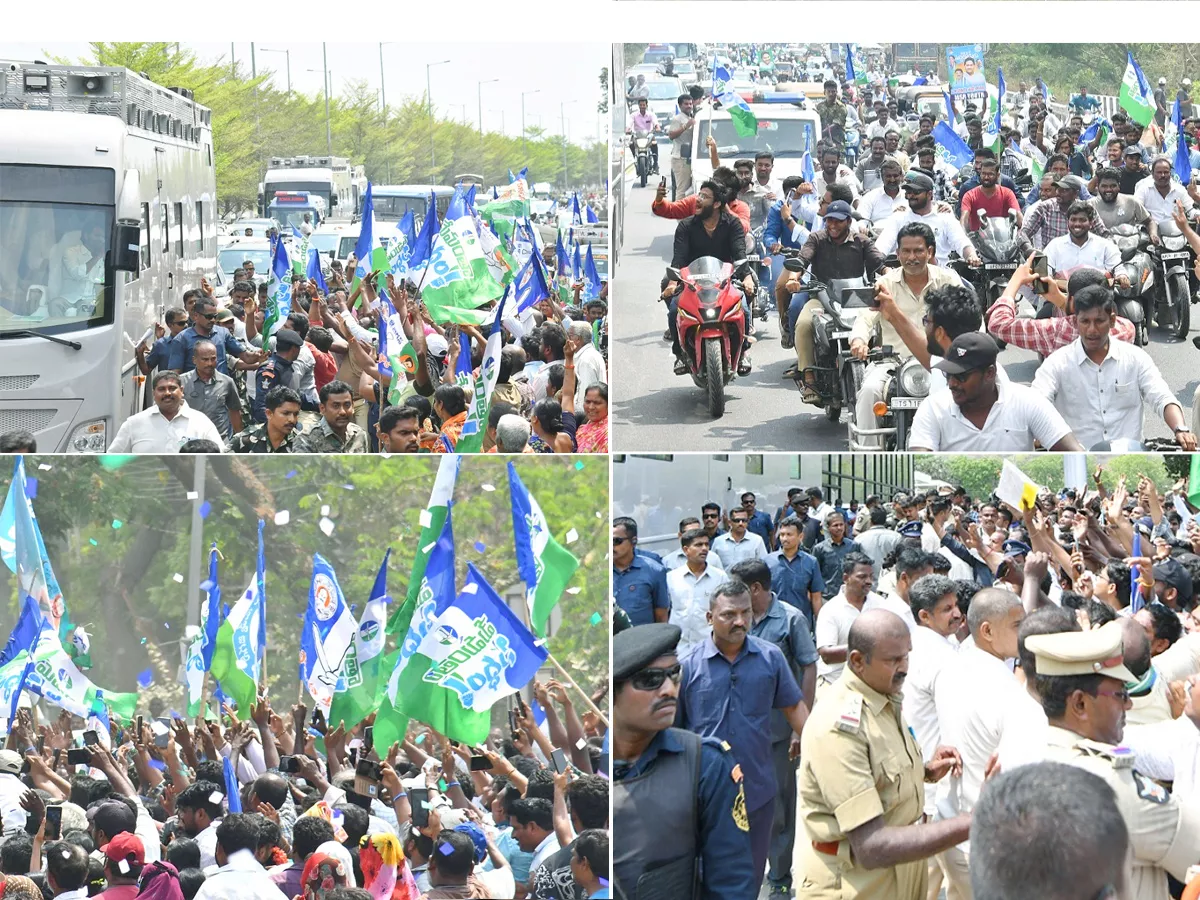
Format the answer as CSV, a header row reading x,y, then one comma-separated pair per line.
x,y
323,241
294,217
55,234
314,188
393,209
783,137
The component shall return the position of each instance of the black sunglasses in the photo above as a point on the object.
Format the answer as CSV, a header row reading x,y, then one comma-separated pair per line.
x,y
209,316
618,541
652,679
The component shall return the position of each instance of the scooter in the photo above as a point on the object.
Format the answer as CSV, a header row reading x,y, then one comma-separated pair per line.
x,y
643,142
837,376
712,324
1134,302
1176,280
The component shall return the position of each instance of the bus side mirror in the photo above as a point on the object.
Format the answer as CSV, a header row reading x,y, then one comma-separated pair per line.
x,y
127,245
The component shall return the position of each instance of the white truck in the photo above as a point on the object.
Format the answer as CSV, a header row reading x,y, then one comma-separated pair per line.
x,y
108,214
337,182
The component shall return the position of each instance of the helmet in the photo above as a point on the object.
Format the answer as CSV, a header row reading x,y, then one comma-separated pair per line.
x,y
1187,82
1162,81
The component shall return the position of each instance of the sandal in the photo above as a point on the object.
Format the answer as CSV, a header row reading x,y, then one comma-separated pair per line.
x,y
792,371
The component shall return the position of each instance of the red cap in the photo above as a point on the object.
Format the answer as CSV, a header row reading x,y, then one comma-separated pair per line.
x,y
125,846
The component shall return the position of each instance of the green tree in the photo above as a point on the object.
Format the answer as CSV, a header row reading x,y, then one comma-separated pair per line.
x,y
1099,66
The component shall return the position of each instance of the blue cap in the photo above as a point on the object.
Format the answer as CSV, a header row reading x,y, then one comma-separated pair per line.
x,y
911,529
1016,548
838,209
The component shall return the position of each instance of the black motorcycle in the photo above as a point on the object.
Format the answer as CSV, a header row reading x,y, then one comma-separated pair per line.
x,y
1174,266
998,243
1135,302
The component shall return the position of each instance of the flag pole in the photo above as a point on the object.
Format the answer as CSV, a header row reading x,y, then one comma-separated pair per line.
x,y
571,681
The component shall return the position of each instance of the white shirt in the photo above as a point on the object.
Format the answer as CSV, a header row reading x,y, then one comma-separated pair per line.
x,y
931,655
893,603
1167,751
730,550
972,702
150,432
1103,403
691,597
589,370
1161,208
844,175
947,231
833,627
1181,660
876,205
12,814
875,129
1019,416
1023,740
1065,256
242,878
674,560
959,570
548,846
207,842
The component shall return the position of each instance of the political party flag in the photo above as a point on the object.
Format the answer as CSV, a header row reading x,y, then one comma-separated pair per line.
x,y
359,693
745,123
562,261
545,565
591,277
1193,490
300,262
952,148
576,265
576,215
457,278
478,652
995,129
512,201
1027,162
458,203
463,367
949,104
1135,95
1183,161
511,179
55,677
471,439
232,795
407,228
422,245
20,542
296,233
313,272
369,251
279,293
530,285
850,73
203,642
1015,487
1136,601
241,640
13,676
26,633
592,218
327,635
500,262
721,79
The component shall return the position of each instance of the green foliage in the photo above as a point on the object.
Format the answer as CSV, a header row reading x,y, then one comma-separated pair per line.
x,y
253,120
1064,67
980,474
123,589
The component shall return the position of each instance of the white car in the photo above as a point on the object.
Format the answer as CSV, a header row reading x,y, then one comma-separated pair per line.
x,y
664,99
257,250
783,128
685,71
258,227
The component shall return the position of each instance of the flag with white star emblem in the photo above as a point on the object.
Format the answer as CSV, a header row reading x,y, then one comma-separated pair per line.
x,y
545,565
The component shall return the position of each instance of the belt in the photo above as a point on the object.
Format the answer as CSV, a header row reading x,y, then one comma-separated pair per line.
x,y
829,848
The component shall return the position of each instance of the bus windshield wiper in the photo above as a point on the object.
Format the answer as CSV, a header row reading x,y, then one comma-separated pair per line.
x,y
74,345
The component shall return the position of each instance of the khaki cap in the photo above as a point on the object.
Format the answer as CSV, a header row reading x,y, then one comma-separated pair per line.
x,y
1095,652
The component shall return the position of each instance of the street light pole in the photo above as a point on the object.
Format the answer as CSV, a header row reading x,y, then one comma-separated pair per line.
x,y
479,97
563,124
429,109
328,127
288,56
382,88
524,148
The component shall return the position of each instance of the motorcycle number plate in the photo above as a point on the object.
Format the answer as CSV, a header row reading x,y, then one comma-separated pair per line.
x,y
905,402
839,334
1184,254
1000,267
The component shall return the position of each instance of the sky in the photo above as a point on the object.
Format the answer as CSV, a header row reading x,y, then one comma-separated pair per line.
x,y
560,72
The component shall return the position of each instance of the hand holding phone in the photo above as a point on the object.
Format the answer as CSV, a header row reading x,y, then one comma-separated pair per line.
x,y
1040,266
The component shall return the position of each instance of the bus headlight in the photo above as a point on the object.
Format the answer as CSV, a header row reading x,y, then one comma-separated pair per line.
x,y
90,437
913,378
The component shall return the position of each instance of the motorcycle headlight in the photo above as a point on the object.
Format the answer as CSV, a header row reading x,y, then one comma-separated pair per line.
x,y
1174,242
89,437
914,379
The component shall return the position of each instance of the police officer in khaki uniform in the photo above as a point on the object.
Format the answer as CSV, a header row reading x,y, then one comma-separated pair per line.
x,y
1082,682
862,779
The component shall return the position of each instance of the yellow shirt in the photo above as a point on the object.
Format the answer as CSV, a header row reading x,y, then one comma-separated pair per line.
x,y
910,304
858,761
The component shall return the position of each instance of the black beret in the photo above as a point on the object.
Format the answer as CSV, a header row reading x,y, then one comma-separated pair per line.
x,y
637,647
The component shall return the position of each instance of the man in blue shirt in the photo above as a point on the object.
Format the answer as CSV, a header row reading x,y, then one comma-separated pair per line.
x,y
794,573
760,522
204,313
654,766
783,626
831,551
639,583
731,682
710,515
160,354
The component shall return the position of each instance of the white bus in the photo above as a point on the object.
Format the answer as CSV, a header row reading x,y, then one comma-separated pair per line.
x,y
107,216
331,178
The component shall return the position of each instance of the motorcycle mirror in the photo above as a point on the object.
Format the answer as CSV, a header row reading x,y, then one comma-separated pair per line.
x,y
1012,215
793,265
674,274
983,217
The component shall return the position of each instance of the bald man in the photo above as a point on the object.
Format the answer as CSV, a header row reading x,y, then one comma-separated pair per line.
x,y
862,779
981,671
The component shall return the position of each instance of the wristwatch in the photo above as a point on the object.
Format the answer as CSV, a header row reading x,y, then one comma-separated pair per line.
x,y
1182,428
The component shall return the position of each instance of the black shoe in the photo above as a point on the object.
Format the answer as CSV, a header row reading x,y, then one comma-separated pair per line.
x,y
681,366
667,335
743,368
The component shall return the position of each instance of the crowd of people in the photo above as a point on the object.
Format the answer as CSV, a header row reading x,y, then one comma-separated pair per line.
x,y
321,383
913,691
883,207
256,805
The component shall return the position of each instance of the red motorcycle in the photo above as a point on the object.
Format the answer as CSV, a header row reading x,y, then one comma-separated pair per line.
x,y
712,326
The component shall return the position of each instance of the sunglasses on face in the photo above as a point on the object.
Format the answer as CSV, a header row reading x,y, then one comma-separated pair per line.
x,y
652,679
618,541
1121,697
210,316
710,515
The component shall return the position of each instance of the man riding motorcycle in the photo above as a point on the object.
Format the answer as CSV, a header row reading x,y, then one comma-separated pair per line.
x,y
830,253
876,205
1115,208
645,122
712,231
918,190
907,287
